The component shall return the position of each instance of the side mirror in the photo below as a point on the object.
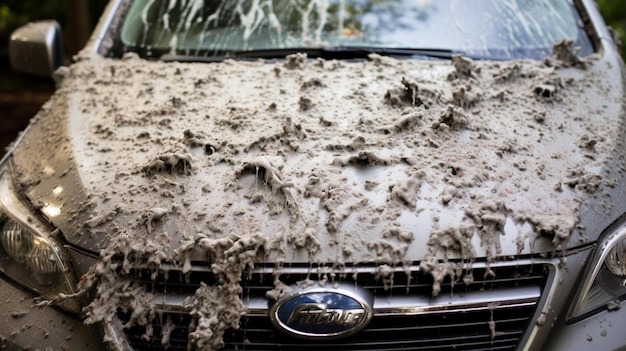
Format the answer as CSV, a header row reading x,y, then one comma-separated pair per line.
x,y
36,48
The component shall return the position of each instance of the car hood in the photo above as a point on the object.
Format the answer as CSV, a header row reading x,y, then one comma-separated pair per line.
x,y
382,160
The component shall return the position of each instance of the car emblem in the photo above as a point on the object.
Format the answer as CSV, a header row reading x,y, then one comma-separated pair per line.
x,y
323,313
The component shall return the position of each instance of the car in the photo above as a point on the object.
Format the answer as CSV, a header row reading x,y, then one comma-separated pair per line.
x,y
297,175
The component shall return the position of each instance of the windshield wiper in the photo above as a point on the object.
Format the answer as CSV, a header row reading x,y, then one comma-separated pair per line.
x,y
329,53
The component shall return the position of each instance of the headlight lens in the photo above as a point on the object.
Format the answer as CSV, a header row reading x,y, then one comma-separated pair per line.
x,y
16,241
606,278
28,254
616,260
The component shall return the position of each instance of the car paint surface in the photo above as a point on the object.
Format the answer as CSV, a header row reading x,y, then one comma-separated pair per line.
x,y
312,161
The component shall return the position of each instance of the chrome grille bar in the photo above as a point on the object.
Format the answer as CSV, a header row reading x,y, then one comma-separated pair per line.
x,y
406,316
412,305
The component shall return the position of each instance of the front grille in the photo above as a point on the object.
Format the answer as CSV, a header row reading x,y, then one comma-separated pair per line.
x,y
491,312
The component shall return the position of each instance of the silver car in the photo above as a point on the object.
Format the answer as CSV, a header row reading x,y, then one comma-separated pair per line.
x,y
320,174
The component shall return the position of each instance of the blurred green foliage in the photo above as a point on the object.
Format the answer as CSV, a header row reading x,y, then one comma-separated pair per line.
x,y
14,13
614,13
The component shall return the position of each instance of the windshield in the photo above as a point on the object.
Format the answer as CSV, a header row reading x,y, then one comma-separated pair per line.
x,y
500,29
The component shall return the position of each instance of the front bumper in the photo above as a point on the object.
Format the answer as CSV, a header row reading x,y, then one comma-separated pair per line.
x,y
26,327
603,331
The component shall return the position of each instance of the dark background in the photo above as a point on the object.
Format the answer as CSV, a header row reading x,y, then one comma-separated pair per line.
x,y
21,96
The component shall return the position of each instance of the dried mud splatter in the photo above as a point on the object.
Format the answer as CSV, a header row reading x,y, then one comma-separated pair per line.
x,y
386,161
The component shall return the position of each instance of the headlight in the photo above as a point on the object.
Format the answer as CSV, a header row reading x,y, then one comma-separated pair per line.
x,y
28,253
605,281
616,259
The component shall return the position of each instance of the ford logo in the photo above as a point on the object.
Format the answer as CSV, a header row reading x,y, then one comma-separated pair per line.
x,y
323,313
